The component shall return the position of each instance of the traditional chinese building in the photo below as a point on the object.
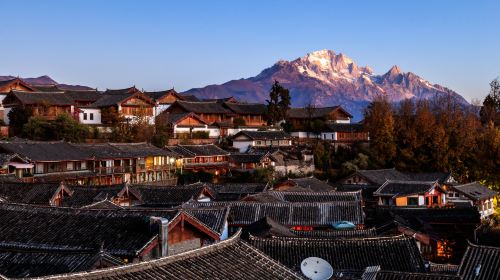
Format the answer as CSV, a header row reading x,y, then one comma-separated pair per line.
x,y
244,140
207,158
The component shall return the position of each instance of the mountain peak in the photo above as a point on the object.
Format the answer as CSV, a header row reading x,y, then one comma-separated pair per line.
x,y
327,79
395,70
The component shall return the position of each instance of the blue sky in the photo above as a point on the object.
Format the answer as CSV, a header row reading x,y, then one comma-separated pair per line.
x,y
184,44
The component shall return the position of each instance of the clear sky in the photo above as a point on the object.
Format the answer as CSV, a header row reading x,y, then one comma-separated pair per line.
x,y
184,44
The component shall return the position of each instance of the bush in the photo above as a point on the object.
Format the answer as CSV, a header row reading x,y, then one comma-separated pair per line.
x,y
64,127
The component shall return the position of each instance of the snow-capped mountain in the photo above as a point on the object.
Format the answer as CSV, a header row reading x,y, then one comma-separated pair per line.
x,y
324,78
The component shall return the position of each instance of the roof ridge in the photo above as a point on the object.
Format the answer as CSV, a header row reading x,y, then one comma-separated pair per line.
x,y
157,262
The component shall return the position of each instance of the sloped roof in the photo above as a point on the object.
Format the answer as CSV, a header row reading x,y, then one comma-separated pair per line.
x,y
320,112
313,183
191,98
344,233
38,262
32,98
174,118
228,259
15,81
155,95
480,263
475,191
121,150
398,253
170,196
119,232
379,176
202,107
402,188
115,97
264,135
197,150
396,275
291,213
316,196
83,95
345,127
247,108
45,150
28,193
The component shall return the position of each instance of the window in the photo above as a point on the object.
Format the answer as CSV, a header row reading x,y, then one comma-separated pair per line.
x,y
85,116
412,200
69,166
91,116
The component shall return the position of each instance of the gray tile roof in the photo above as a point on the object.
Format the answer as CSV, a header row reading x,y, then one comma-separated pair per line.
x,y
475,191
44,150
316,196
16,263
480,263
313,183
246,108
402,188
397,253
264,135
379,176
201,107
31,98
197,150
229,259
316,214
320,112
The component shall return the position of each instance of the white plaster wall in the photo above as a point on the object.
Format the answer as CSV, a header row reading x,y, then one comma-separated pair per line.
x,y
96,112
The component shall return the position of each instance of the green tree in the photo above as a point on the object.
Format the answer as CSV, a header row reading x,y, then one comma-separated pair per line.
x,y
64,127
18,117
278,103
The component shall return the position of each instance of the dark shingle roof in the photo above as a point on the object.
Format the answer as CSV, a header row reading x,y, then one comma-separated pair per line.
x,y
244,108
313,183
45,150
475,191
155,95
50,98
402,188
191,98
441,177
345,127
119,232
397,253
343,233
121,150
304,113
197,150
318,214
170,196
28,193
480,263
43,262
316,196
84,95
394,275
174,118
379,176
229,259
264,135
203,107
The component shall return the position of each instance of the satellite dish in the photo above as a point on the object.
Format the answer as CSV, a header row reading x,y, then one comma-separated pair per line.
x,y
316,268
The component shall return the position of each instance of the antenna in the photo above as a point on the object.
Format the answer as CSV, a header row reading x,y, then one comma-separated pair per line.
x,y
316,268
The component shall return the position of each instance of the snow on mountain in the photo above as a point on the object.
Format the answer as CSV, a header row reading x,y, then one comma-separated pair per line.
x,y
324,78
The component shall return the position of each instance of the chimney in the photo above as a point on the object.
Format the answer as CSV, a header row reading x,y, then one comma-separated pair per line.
x,y
162,225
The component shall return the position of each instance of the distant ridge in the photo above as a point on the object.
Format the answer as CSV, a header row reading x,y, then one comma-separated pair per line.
x,y
47,81
325,78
